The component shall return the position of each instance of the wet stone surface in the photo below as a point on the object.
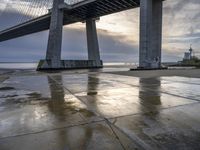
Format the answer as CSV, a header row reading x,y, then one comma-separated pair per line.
x,y
87,111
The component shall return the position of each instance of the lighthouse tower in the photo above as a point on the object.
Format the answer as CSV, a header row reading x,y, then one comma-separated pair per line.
x,y
191,51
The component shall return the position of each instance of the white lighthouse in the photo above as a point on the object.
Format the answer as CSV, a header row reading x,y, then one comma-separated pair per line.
x,y
188,55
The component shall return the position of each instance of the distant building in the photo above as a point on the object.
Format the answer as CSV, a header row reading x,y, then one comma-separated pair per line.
x,y
188,55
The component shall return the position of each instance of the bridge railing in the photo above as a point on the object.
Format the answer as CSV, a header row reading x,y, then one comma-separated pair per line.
x,y
15,12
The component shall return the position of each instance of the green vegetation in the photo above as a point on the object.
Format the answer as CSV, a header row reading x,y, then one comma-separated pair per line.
x,y
194,61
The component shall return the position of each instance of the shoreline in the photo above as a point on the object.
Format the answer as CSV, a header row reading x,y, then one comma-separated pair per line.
x,y
191,73
118,70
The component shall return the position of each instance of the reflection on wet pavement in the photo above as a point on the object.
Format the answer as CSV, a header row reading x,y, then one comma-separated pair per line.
x,y
99,111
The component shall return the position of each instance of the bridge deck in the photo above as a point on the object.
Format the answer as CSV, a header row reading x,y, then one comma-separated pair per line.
x,y
72,14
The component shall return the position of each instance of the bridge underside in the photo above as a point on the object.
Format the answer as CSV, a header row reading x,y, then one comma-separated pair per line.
x,y
72,14
88,11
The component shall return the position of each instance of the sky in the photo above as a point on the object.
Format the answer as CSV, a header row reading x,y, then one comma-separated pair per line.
x,y
118,36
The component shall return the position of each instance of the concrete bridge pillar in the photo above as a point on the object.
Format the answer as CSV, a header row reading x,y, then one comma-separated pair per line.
x,y
150,34
92,42
53,54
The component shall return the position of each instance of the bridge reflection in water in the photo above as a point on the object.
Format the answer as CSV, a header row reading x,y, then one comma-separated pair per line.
x,y
98,111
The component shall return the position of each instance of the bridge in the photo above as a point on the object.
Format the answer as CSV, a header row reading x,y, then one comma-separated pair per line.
x,y
66,12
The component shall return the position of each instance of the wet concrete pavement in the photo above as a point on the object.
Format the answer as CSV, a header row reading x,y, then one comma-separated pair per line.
x,y
89,111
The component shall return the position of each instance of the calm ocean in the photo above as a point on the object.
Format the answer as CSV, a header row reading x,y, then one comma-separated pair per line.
x,y
30,65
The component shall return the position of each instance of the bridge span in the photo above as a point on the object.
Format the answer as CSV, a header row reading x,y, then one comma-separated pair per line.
x,y
88,11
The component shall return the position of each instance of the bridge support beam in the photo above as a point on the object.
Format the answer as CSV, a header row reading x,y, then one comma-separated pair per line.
x,y
92,43
53,54
150,34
